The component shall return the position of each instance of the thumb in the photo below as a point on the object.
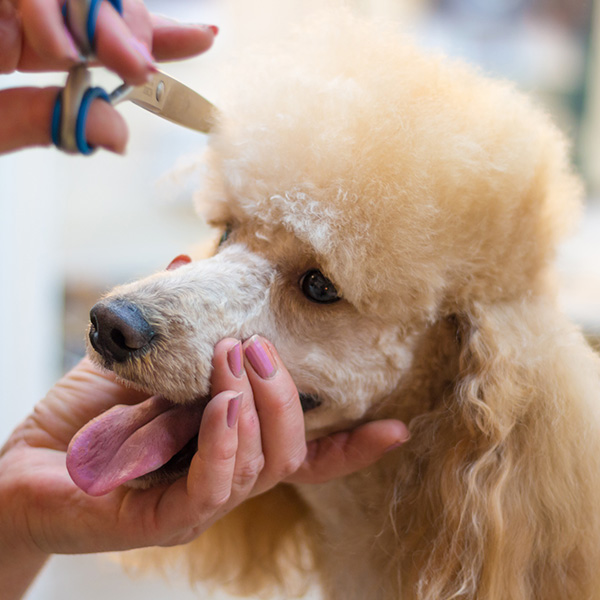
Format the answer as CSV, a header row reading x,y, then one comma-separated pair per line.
x,y
345,452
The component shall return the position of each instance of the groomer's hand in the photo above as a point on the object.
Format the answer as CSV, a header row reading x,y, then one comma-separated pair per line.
x,y
247,444
271,438
33,37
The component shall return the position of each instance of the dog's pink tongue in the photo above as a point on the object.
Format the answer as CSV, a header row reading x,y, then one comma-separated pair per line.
x,y
126,442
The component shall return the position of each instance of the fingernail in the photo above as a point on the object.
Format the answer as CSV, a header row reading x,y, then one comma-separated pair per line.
x,y
233,410
400,442
260,358
73,53
235,359
141,49
213,28
116,150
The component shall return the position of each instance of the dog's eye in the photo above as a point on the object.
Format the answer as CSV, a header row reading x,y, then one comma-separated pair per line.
x,y
318,288
225,235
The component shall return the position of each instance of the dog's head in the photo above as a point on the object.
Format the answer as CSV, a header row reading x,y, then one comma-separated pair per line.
x,y
363,191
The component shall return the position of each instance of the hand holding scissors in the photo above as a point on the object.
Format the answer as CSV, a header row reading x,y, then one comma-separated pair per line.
x,y
35,37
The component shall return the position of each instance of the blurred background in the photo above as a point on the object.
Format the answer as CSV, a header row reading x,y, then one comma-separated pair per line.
x,y
72,227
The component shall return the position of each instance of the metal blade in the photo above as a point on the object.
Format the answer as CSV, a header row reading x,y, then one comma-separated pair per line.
x,y
172,100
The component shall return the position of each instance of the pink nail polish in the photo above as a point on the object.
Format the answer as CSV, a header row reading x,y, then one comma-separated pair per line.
x,y
141,49
214,29
233,410
260,358
73,54
393,446
399,442
235,360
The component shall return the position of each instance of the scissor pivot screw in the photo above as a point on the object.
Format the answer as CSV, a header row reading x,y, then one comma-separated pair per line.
x,y
160,90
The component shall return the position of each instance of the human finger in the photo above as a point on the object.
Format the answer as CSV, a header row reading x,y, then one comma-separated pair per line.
x,y
10,37
121,49
86,391
120,42
27,114
131,47
128,45
138,19
212,467
173,40
345,452
279,412
229,374
79,396
191,504
45,31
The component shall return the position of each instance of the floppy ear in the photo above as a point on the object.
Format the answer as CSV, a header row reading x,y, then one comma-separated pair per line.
x,y
506,473
262,546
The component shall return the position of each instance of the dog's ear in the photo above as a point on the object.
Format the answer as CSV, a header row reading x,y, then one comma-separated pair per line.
x,y
506,468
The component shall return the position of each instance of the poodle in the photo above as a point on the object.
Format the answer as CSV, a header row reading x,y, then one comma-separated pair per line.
x,y
389,221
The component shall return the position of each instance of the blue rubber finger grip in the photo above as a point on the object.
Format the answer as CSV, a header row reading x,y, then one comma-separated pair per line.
x,y
55,130
90,95
93,17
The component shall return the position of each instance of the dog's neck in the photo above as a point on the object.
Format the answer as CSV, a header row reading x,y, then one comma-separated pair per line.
x,y
354,512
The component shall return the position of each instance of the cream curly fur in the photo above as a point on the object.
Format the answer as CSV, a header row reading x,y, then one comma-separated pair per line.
x,y
434,199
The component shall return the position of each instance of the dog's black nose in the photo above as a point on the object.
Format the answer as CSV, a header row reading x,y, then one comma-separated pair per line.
x,y
118,328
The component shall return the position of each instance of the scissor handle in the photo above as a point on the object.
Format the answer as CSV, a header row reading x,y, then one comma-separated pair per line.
x,y
80,17
72,105
69,118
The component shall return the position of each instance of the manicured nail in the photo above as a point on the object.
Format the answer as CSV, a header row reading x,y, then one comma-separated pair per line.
x,y
235,359
116,150
73,52
233,410
260,358
213,28
162,21
403,439
141,49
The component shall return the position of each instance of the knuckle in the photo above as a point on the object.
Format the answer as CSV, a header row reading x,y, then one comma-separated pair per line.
x,y
226,454
138,18
9,59
54,51
291,464
10,40
286,407
223,453
248,473
179,538
214,501
249,424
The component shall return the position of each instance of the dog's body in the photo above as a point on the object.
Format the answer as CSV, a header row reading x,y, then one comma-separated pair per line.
x,y
433,199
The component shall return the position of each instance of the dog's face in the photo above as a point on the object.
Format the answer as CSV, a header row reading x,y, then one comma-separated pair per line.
x,y
159,335
342,360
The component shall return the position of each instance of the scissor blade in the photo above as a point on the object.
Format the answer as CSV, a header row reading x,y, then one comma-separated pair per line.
x,y
174,101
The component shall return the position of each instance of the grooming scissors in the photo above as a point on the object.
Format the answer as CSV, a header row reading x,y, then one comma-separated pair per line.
x,y
162,95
